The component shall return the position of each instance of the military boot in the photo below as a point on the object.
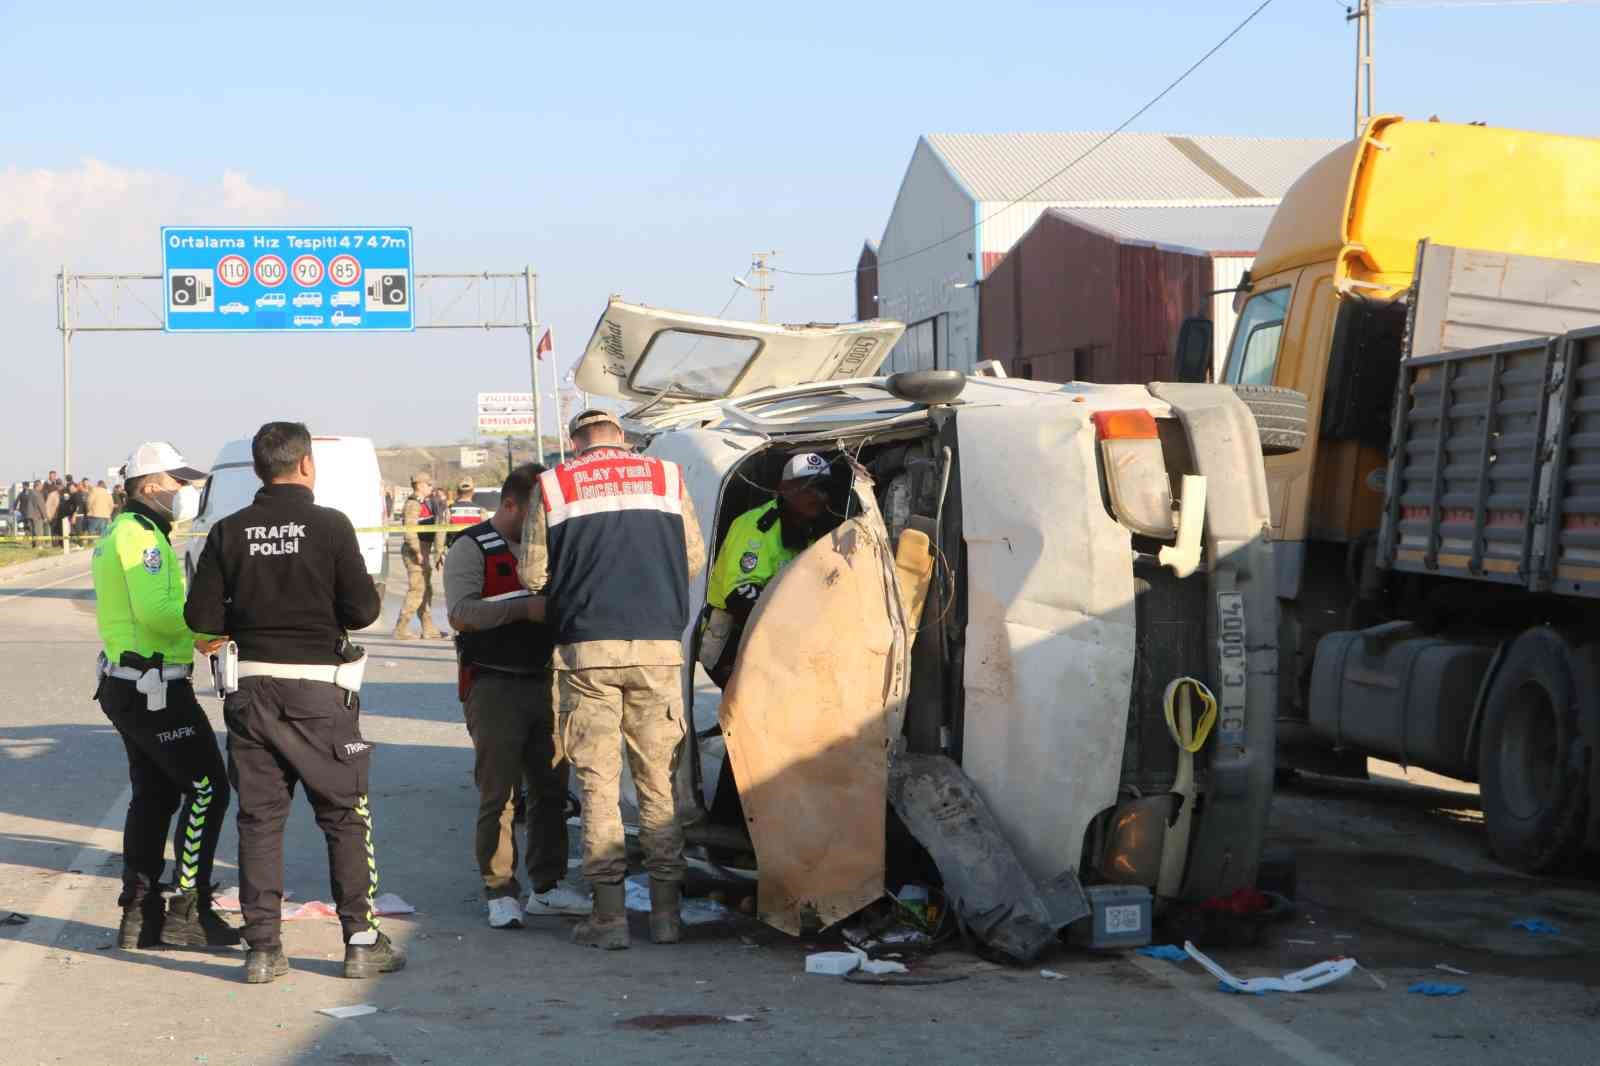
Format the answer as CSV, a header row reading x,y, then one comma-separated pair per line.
x,y
191,923
607,927
403,632
666,924
264,965
141,922
369,960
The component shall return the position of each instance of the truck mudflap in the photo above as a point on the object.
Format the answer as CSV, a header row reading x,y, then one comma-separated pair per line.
x,y
1236,787
993,895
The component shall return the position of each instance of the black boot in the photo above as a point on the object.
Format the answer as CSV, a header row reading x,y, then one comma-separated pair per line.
x,y
141,922
191,923
369,960
263,965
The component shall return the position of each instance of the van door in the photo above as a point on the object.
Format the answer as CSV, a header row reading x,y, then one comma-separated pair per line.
x,y
816,700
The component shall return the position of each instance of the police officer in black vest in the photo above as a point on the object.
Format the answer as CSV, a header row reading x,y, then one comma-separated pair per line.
x,y
284,579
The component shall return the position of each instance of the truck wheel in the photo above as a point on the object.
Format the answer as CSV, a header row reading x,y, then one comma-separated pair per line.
x,y
1280,416
1531,766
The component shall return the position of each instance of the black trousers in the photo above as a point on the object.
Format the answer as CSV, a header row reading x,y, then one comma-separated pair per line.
x,y
282,733
172,760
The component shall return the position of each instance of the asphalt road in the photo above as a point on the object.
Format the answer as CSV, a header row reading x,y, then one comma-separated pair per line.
x,y
1391,872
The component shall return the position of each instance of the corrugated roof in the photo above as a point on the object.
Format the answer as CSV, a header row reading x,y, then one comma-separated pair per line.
x,y
1130,167
1207,229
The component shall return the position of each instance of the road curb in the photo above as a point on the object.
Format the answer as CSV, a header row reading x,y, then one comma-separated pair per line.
x,y
49,564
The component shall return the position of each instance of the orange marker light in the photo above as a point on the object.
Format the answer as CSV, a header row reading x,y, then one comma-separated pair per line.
x,y
1124,425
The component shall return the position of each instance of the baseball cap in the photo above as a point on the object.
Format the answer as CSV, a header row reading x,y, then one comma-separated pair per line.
x,y
159,457
593,416
804,465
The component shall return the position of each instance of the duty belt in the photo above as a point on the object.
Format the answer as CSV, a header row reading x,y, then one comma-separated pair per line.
x,y
152,682
346,676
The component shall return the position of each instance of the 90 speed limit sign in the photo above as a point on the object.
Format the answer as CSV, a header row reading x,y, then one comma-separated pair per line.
x,y
307,271
270,271
344,270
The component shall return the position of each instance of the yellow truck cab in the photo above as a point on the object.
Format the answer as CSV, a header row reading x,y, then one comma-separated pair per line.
x,y
1329,310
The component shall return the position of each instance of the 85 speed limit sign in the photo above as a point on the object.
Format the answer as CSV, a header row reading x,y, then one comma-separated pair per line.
x,y
345,270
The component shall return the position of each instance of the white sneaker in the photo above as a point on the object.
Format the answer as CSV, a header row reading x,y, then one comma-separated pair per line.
x,y
559,900
503,913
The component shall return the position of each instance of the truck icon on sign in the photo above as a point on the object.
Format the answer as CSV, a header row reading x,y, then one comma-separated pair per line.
x,y
347,298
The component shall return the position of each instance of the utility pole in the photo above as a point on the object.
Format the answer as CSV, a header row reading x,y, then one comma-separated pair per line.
x,y
1362,17
763,273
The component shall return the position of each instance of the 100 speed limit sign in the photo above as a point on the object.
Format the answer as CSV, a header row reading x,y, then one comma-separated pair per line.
x,y
270,271
344,270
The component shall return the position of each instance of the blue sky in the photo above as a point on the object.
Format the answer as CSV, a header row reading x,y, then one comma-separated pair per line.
x,y
643,149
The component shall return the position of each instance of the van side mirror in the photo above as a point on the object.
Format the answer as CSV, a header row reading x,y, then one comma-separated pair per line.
x,y
1192,363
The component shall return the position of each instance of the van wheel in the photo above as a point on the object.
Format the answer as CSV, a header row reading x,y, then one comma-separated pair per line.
x,y
1532,771
1280,414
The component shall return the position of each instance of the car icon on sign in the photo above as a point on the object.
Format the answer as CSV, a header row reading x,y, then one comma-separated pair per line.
x,y
308,320
308,299
347,298
341,319
235,308
271,299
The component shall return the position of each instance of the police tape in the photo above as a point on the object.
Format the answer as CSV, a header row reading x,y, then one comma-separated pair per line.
x,y
48,540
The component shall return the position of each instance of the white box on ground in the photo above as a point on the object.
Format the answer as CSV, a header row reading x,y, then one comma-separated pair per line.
x,y
832,963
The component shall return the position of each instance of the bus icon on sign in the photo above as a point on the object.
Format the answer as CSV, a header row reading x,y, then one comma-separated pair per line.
x,y
388,289
190,290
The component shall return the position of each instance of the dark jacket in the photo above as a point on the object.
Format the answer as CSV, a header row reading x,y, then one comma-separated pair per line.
x,y
283,578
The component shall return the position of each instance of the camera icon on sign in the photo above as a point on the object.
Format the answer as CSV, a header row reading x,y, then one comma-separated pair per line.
x,y
388,289
190,290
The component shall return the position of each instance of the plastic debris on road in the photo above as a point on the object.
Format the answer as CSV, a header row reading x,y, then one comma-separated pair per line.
x,y
1434,988
1447,968
867,964
832,963
1536,926
695,911
1169,952
1051,975
387,905
356,1011
1312,977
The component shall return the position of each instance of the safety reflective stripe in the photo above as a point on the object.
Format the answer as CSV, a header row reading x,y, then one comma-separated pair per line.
x,y
365,814
193,832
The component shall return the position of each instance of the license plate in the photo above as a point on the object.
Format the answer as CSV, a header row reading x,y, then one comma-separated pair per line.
x,y
1126,919
1231,672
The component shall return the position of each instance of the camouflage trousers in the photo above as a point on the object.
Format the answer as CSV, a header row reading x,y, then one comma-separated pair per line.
x,y
639,709
419,592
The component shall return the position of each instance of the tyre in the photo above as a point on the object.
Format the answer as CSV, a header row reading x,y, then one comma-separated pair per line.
x,y
1532,760
1280,414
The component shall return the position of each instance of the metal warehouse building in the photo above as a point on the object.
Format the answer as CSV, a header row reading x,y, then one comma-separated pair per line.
x,y
968,198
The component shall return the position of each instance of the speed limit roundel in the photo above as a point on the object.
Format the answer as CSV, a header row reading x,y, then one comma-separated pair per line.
x,y
270,271
233,271
344,270
306,270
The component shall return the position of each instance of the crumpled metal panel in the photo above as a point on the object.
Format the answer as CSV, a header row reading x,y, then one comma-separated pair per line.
x,y
818,692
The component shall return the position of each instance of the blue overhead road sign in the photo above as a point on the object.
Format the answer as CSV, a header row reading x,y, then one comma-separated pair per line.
x,y
242,280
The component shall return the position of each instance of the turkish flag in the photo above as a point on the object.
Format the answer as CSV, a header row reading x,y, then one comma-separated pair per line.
x,y
544,345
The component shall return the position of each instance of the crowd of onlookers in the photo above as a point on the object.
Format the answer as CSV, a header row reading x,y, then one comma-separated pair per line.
x,y
50,507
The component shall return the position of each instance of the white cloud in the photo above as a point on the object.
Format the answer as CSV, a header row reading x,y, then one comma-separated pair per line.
x,y
102,217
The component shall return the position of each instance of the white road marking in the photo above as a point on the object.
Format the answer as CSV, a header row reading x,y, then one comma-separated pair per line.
x,y
1238,1010
22,954
23,593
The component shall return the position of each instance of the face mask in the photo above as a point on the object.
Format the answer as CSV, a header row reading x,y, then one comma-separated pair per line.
x,y
182,505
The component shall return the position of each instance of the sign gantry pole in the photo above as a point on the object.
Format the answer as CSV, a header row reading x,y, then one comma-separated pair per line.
x,y
531,282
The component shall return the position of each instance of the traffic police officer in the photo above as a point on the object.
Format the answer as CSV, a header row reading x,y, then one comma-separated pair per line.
x,y
285,580
612,540
415,549
760,542
145,690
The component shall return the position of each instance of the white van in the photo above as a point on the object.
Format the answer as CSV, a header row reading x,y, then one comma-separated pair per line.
x,y
347,480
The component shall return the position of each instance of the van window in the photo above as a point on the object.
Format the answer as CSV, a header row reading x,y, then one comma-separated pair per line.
x,y
1254,352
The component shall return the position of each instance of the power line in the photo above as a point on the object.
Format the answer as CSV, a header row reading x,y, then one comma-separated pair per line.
x,y
1130,120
